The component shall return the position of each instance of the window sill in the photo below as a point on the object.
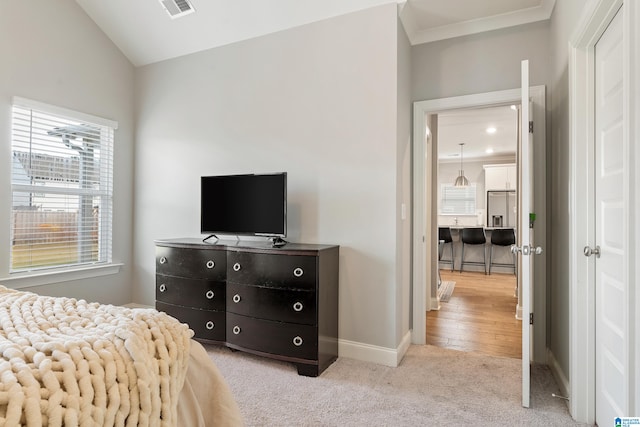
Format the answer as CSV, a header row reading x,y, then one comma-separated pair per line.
x,y
28,280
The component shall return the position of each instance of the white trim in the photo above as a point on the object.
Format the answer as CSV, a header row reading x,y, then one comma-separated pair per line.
x,y
541,12
374,354
48,277
633,16
558,374
581,272
63,112
136,305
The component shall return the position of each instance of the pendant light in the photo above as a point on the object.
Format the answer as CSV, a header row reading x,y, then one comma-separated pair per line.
x,y
461,180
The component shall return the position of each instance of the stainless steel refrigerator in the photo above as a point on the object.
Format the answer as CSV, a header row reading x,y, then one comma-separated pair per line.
x,y
502,208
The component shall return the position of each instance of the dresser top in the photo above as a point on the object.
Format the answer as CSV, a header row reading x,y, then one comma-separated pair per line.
x,y
243,245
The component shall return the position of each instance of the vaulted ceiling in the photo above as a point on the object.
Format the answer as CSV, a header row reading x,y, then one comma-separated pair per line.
x,y
145,33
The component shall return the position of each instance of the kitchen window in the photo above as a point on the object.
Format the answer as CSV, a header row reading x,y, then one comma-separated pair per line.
x,y
457,200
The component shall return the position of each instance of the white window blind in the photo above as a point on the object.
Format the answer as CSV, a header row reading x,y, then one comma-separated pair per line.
x,y
62,187
458,200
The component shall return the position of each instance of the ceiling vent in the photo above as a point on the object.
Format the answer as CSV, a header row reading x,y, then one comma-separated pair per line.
x,y
177,8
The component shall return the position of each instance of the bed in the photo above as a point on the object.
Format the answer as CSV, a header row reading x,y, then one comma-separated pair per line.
x,y
67,362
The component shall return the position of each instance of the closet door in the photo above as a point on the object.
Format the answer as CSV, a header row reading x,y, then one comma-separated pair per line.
x,y
612,242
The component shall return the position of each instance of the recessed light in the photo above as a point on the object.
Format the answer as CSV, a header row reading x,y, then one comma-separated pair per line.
x,y
513,107
489,150
491,130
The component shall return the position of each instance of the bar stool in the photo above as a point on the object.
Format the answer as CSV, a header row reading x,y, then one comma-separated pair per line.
x,y
444,237
502,237
473,236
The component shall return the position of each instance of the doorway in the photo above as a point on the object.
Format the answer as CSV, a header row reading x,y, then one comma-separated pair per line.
x,y
424,204
476,311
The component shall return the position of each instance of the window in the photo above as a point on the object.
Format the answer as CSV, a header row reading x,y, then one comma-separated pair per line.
x,y
458,200
62,187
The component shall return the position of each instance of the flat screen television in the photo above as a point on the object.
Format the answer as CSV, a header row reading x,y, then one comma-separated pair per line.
x,y
250,205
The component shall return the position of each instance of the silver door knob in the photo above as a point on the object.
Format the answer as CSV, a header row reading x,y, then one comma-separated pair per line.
x,y
595,251
526,250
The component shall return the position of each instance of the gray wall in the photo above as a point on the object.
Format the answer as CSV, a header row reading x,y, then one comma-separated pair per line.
x,y
480,63
318,101
52,52
403,225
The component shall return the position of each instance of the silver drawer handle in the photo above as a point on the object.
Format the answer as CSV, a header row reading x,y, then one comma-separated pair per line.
x,y
163,287
236,298
209,294
298,272
298,306
163,260
210,325
297,341
236,330
210,264
236,266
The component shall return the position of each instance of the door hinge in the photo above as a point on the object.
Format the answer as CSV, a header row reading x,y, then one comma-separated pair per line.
x,y
531,126
531,318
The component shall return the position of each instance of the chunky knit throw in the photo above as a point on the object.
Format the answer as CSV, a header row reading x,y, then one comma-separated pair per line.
x,y
66,362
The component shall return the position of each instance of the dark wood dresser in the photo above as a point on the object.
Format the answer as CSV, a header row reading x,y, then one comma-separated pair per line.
x,y
275,302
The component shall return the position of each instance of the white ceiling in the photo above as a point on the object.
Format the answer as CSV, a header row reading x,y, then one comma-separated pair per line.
x,y
470,127
145,33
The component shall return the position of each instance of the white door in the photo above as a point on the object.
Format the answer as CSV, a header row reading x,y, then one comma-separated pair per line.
x,y
525,258
612,318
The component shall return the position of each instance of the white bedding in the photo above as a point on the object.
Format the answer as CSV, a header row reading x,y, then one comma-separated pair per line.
x,y
205,399
68,362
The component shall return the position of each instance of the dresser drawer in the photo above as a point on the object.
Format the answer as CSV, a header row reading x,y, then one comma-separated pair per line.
x,y
295,306
286,339
283,271
194,263
206,324
197,293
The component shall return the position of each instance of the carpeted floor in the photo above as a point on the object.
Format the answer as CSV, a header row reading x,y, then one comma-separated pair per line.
x,y
432,386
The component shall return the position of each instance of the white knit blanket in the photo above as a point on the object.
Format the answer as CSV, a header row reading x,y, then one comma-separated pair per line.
x,y
68,362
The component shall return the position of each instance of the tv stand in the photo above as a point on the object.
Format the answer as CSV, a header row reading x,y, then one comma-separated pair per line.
x,y
277,242
280,303
208,237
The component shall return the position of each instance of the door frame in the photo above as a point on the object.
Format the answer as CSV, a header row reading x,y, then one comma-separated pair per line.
x,y
582,369
425,226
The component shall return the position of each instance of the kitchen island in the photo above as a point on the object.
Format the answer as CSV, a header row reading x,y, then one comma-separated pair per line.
x,y
501,255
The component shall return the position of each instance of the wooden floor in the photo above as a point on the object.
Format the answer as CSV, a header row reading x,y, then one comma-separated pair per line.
x,y
480,315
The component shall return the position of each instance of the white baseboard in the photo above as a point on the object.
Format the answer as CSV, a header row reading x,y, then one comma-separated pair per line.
x,y
558,374
136,305
375,354
518,312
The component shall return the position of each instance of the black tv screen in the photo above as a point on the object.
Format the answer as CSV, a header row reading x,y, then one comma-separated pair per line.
x,y
244,204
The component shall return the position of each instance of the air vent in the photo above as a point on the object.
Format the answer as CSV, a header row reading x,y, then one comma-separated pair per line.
x,y
177,8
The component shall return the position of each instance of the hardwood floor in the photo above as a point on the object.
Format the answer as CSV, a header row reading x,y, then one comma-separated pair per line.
x,y
480,315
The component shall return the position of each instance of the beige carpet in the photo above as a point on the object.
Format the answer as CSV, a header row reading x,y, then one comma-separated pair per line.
x,y
432,386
